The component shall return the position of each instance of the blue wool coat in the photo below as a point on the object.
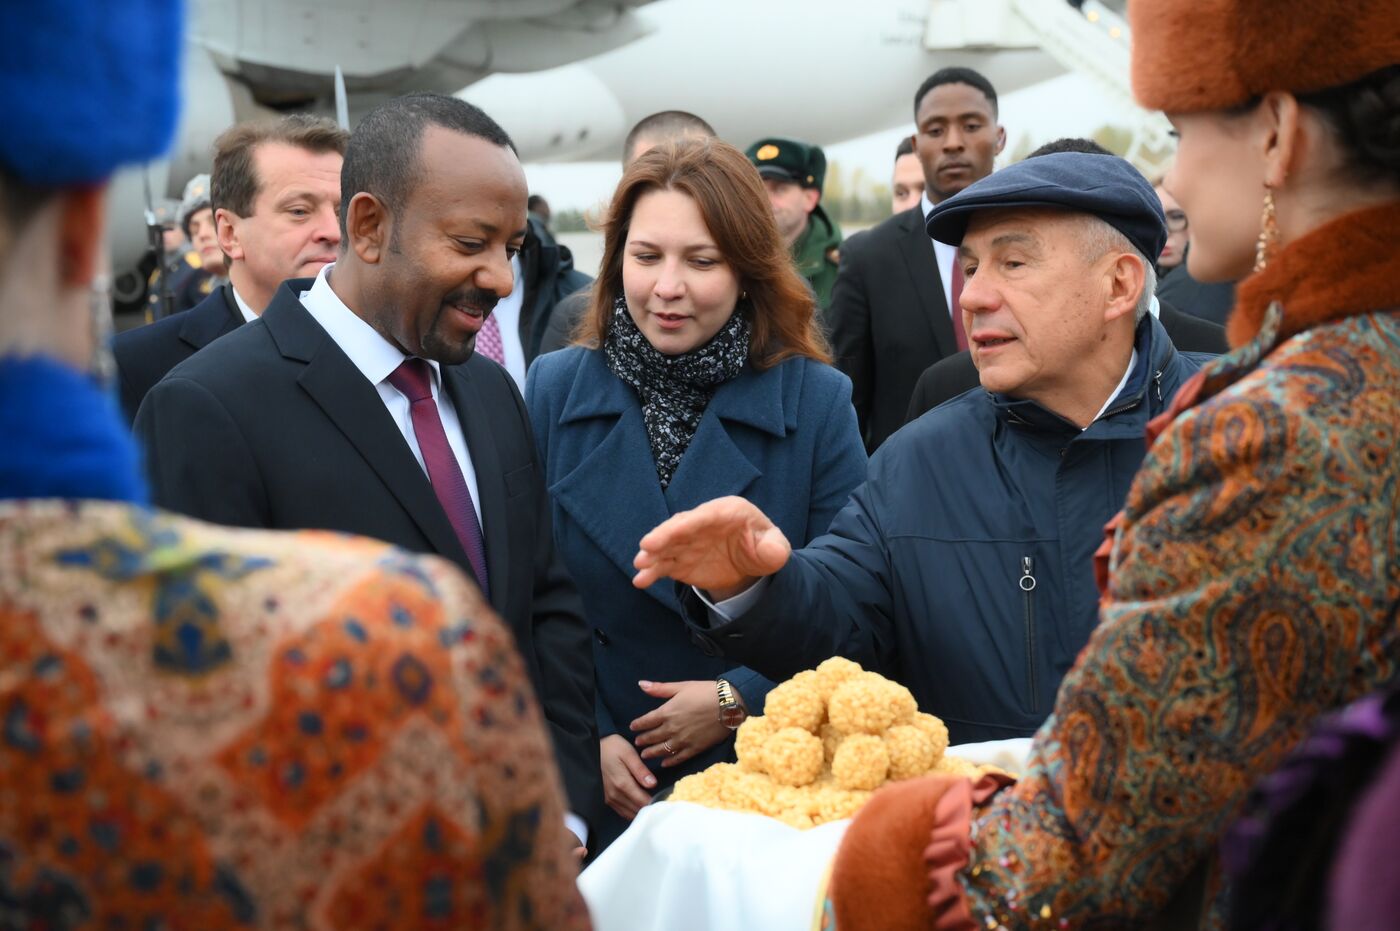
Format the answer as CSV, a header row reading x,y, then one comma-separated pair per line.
x,y
785,438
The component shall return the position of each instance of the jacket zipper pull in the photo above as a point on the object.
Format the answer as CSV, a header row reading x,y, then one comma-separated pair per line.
x,y
1157,380
1027,579
1027,584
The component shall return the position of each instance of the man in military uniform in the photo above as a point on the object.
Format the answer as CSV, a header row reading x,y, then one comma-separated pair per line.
x,y
793,173
179,261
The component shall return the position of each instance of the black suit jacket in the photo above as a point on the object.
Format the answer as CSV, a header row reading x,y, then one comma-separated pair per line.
x,y
273,426
888,319
950,377
146,353
1210,302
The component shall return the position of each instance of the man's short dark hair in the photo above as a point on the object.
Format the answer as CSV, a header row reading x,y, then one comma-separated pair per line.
x,y
533,202
665,126
382,157
1071,144
956,76
905,147
233,181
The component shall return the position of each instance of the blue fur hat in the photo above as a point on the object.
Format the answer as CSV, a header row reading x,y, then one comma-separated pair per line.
x,y
86,86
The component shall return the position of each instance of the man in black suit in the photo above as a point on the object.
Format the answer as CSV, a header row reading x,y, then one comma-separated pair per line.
x,y
356,402
889,316
274,190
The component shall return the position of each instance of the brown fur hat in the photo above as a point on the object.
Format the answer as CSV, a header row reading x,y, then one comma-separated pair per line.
x,y
1214,54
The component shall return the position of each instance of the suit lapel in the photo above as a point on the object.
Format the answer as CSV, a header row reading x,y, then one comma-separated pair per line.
x,y
473,415
215,316
621,462
354,406
922,264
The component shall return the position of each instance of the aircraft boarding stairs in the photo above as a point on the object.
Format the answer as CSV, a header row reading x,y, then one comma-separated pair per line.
x,y
1091,40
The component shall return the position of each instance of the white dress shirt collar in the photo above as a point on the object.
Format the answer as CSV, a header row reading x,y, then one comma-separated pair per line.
x,y
371,353
248,315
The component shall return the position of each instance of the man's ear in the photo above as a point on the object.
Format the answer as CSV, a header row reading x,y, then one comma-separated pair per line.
x,y
1001,139
82,218
226,229
1126,277
810,198
368,227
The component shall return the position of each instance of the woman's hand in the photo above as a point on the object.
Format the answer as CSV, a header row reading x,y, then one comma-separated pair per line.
x,y
627,783
687,724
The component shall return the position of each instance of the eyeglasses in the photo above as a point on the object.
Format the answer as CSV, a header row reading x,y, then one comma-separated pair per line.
x,y
1176,221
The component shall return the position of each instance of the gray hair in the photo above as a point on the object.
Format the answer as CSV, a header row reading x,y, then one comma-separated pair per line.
x,y
1098,237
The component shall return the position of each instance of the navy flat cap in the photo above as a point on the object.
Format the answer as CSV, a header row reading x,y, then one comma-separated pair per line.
x,y
1105,186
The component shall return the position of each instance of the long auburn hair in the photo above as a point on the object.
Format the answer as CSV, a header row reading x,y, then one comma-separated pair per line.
x,y
730,195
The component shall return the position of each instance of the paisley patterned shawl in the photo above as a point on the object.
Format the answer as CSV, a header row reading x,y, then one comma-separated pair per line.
x,y
1255,586
209,728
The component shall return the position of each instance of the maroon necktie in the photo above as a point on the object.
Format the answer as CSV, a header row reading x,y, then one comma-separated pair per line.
x,y
959,333
413,379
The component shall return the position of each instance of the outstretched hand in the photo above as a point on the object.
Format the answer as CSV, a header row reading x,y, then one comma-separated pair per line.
x,y
722,546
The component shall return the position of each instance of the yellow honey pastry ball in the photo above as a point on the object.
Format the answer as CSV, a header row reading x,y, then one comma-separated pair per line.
x,y
749,740
832,673
863,705
911,751
936,730
957,766
794,704
831,737
793,757
861,762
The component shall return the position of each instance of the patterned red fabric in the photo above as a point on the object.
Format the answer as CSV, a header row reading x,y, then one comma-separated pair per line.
x,y
1255,584
211,729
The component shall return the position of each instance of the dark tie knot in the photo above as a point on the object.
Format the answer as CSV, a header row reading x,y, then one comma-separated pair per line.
x,y
413,379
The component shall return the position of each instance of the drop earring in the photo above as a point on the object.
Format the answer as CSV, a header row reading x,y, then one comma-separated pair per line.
x,y
1268,232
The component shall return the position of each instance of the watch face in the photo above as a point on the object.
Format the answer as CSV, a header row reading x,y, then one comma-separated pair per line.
x,y
731,716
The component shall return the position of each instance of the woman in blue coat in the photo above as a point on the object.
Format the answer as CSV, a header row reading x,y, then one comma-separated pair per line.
x,y
703,374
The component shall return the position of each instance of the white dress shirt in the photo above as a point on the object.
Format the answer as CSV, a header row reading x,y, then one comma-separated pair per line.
x,y
248,315
507,314
946,256
377,358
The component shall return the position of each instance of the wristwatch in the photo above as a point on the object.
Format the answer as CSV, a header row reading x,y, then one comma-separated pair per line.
x,y
731,707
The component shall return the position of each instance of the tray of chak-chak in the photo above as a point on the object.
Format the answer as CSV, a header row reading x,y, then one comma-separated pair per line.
x,y
748,844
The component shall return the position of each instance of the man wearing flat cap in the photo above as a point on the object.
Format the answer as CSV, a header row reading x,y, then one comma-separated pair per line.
x,y
793,173
963,566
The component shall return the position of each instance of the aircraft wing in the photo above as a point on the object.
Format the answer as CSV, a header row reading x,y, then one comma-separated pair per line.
x,y
285,52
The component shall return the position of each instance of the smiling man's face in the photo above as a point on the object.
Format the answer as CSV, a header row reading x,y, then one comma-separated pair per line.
x,y
956,137
447,262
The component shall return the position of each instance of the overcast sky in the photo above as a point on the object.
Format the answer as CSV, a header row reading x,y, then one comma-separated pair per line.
x,y
1071,105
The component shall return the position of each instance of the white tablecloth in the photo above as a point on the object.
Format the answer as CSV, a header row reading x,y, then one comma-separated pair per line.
x,y
683,867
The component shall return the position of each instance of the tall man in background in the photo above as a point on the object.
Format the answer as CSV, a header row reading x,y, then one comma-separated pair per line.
x,y
893,307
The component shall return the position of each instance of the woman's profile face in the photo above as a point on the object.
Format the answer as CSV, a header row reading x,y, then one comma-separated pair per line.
x,y
680,291
1217,178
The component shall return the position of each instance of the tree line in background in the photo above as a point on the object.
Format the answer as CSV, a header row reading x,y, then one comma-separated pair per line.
x,y
853,198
